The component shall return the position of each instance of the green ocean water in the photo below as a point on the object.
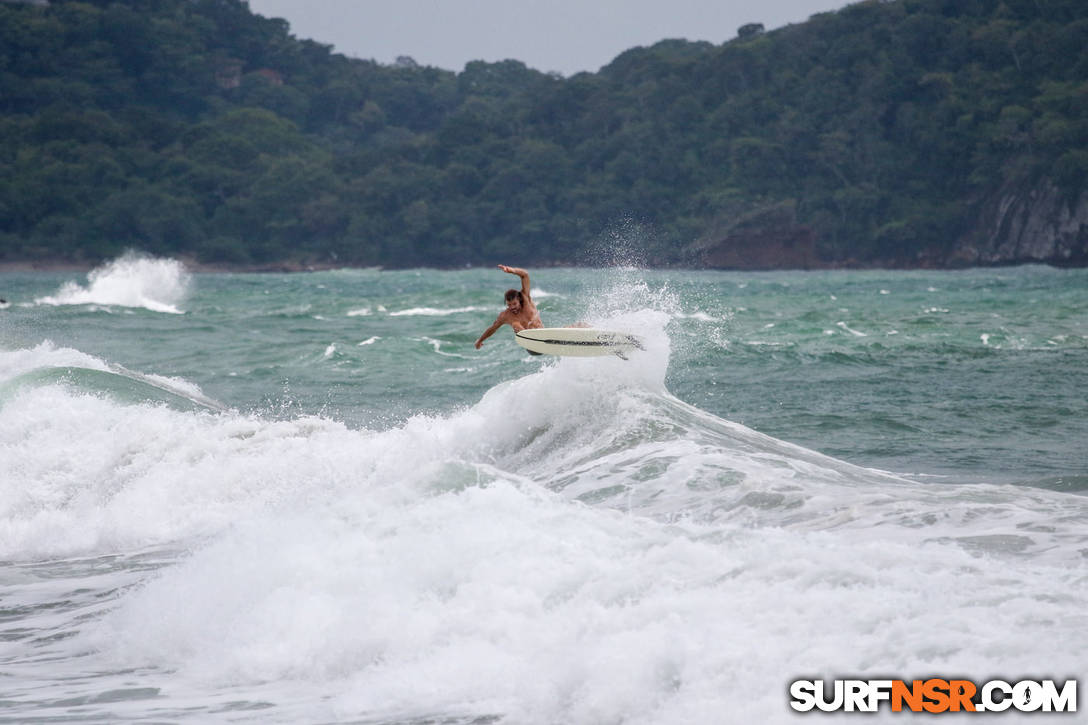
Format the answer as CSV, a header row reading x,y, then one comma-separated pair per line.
x,y
308,498
976,373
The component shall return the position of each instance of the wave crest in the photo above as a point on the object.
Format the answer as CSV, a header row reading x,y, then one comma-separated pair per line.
x,y
132,280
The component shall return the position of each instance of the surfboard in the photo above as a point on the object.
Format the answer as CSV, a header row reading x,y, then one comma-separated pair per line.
x,y
577,342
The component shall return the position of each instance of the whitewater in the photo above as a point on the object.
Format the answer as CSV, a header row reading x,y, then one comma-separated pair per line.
x,y
307,498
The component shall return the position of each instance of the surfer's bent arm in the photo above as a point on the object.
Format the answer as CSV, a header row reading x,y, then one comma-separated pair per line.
x,y
521,273
499,322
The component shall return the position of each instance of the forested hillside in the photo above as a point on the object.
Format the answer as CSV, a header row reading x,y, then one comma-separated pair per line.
x,y
915,132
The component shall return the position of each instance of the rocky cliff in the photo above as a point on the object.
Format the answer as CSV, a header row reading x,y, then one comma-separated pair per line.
x,y
1025,223
765,238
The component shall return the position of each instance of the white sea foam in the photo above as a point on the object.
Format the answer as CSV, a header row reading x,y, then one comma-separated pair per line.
x,y
14,363
437,345
133,280
504,599
852,331
700,316
436,312
577,546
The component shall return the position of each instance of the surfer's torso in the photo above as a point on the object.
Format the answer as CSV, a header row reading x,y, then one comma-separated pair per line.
x,y
526,318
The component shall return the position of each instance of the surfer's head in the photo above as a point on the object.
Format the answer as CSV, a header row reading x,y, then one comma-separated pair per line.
x,y
514,300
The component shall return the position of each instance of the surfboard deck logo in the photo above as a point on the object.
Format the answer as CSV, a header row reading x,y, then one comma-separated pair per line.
x,y
578,342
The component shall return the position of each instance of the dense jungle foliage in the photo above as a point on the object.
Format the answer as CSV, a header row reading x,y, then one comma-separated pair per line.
x,y
194,127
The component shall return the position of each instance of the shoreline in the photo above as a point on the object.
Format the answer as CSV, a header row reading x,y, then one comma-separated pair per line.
x,y
294,267
191,265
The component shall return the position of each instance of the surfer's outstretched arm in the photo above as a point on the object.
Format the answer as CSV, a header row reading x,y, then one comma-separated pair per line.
x,y
499,321
521,273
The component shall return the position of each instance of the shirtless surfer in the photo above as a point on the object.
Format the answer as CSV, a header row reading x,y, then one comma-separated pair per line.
x,y
520,312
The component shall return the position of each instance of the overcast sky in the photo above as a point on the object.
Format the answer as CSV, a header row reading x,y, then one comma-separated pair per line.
x,y
550,35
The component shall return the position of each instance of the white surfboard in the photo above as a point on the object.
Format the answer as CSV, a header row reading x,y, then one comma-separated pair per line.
x,y
577,341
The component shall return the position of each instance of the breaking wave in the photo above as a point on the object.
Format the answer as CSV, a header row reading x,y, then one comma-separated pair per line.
x,y
132,280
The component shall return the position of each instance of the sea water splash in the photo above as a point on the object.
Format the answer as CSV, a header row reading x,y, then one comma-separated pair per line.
x,y
132,280
575,545
608,554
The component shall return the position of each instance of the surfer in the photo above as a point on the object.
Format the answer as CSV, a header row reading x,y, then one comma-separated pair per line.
x,y
520,312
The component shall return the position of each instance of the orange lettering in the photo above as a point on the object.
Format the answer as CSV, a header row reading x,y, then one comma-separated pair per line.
x,y
961,692
911,695
936,692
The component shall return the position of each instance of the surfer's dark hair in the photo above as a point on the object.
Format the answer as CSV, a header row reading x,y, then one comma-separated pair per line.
x,y
512,293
